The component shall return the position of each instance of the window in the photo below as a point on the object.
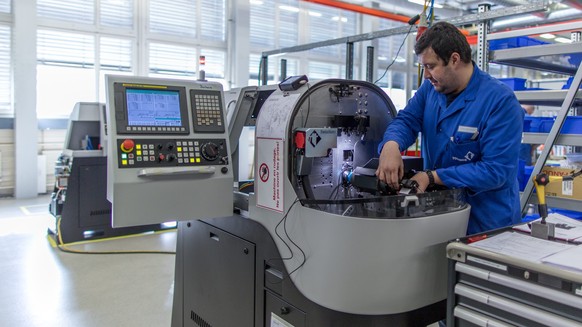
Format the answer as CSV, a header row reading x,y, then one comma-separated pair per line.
x,y
195,27
5,6
115,58
116,13
5,69
213,20
79,11
65,71
169,59
323,70
174,17
275,25
262,23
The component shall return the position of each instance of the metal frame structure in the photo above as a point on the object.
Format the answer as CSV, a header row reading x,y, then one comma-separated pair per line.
x,y
478,17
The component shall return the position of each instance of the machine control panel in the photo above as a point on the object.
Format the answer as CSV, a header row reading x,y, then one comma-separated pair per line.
x,y
168,157
141,153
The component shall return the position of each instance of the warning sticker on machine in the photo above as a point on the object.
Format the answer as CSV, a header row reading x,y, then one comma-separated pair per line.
x,y
277,321
269,184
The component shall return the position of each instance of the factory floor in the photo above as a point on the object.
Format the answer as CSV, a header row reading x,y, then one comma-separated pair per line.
x,y
42,286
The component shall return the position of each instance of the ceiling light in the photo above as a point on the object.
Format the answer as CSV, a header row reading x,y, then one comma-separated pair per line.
x,y
289,8
421,2
382,58
547,36
562,40
337,18
314,13
255,2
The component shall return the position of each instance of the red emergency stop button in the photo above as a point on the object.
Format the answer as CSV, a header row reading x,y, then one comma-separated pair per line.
x,y
127,145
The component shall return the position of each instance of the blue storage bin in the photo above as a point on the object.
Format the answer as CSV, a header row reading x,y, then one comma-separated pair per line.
x,y
568,213
575,59
546,125
537,124
516,84
514,42
569,83
572,125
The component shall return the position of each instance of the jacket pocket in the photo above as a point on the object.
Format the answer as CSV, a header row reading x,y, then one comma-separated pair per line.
x,y
463,153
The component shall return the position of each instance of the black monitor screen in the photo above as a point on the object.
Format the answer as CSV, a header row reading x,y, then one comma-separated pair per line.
x,y
146,107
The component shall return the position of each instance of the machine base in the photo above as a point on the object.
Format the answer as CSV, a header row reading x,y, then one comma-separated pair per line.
x,y
230,273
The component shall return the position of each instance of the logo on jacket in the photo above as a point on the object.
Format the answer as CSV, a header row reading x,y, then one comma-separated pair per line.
x,y
468,157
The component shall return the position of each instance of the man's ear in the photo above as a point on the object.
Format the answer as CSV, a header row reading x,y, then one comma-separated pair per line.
x,y
455,58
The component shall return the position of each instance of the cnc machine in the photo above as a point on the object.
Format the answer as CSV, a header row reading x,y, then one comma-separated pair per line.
x,y
79,198
319,242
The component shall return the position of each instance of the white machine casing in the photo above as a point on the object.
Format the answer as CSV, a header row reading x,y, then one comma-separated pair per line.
x,y
352,263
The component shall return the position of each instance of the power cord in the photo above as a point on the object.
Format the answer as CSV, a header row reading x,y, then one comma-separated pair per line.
x,y
61,246
397,53
284,222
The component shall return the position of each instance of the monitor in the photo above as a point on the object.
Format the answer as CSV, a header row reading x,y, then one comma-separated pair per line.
x,y
151,109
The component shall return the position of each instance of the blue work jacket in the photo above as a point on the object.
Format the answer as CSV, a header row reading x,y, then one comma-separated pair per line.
x,y
473,143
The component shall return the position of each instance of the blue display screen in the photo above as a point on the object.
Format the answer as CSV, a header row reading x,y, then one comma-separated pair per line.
x,y
153,108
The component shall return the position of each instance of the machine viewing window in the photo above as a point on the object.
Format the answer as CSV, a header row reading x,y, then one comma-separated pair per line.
x,y
151,109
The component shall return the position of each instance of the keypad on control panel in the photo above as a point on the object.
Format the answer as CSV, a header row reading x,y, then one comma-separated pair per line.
x,y
207,111
153,153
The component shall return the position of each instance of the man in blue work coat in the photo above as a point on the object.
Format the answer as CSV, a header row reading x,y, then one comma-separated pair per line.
x,y
471,128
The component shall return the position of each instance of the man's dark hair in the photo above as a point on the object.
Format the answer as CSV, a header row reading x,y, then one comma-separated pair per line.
x,y
444,38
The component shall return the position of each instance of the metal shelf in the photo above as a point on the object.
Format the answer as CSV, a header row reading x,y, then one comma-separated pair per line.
x,y
549,57
563,139
553,98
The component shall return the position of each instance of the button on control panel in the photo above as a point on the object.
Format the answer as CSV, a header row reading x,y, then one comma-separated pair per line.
x,y
143,153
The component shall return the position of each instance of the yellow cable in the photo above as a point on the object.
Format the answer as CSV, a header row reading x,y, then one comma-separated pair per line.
x,y
64,248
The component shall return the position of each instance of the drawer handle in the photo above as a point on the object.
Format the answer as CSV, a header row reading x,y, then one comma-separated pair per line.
x,y
285,310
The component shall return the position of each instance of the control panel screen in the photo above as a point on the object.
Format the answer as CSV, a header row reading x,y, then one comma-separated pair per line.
x,y
151,109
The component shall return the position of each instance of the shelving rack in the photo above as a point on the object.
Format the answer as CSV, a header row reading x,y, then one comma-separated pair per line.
x,y
546,58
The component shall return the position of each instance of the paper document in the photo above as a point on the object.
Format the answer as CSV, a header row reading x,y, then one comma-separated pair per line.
x,y
567,229
569,258
521,246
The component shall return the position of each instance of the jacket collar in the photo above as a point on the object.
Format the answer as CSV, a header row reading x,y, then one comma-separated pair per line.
x,y
467,95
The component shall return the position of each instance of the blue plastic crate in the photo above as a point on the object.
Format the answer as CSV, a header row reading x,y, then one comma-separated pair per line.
x,y
568,213
572,125
516,84
546,125
514,42
569,83
575,59
537,124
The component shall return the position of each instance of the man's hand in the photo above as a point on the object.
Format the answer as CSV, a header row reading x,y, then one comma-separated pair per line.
x,y
390,166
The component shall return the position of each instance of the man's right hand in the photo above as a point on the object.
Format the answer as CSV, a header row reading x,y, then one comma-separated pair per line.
x,y
390,166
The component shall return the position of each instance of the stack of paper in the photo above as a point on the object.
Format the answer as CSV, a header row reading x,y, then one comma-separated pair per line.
x,y
534,249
